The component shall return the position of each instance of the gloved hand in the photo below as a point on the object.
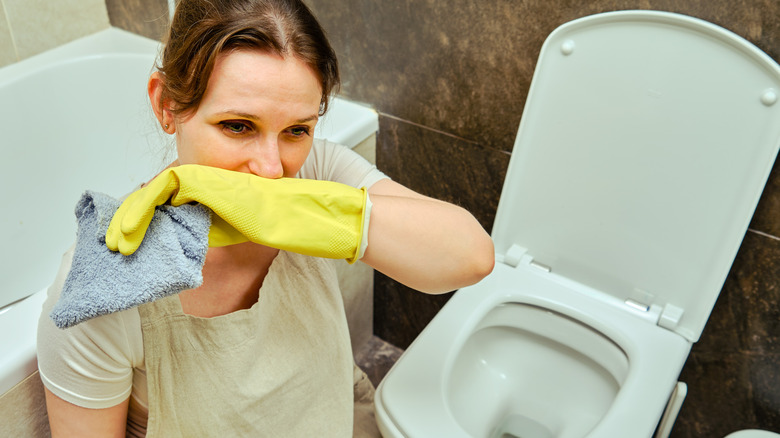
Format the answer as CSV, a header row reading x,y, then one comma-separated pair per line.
x,y
317,218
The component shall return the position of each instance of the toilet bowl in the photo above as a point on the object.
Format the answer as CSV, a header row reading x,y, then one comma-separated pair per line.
x,y
645,144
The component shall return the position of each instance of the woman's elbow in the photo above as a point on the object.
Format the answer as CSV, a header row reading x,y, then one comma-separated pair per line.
x,y
473,261
481,260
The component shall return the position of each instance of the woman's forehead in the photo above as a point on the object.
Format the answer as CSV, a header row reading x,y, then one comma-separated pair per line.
x,y
249,81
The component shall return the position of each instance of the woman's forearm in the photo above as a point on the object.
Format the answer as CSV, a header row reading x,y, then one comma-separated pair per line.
x,y
426,244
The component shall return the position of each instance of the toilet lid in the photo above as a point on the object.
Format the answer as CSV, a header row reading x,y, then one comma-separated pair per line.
x,y
644,146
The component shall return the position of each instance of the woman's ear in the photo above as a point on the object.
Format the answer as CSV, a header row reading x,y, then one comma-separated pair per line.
x,y
159,105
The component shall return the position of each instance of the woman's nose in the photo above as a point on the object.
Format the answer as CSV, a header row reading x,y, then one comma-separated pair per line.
x,y
265,159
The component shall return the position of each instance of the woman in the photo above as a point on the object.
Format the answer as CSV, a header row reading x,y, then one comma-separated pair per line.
x,y
261,348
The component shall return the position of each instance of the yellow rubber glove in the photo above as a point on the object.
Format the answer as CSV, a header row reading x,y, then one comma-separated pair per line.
x,y
317,218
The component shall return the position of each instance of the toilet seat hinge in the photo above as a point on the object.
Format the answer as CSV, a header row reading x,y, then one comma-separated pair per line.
x,y
514,255
670,316
540,266
518,254
634,304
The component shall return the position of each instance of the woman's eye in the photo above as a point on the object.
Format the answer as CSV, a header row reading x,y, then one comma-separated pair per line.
x,y
299,131
235,127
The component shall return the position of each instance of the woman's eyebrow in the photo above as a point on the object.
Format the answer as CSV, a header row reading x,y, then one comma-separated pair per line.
x,y
314,118
256,118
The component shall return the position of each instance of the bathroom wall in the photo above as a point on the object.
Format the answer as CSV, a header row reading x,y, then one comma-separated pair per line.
x,y
29,27
450,78
144,17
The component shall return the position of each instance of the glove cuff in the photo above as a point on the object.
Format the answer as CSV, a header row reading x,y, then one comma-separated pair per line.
x,y
366,221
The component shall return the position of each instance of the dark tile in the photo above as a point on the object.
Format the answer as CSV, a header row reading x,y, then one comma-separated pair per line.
x,y
462,67
442,166
401,313
765,385
144,17
729,392
733,372
767,216
465,67
445,168
376,358
746,317
718,400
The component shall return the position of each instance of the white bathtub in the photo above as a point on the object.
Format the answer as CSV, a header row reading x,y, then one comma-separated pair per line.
x,y
71,119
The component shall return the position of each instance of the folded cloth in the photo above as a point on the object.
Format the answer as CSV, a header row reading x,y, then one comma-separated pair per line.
x,y
102,281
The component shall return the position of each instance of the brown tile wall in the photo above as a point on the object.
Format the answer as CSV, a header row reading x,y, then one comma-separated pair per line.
x,y
144,17
450,79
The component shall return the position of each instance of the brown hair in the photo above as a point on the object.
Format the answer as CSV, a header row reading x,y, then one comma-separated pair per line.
x,y
203,29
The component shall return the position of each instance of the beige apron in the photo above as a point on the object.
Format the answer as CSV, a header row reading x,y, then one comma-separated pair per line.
x,y
282,368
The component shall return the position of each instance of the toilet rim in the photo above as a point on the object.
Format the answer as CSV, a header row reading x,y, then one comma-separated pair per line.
x,y
655,355
613,320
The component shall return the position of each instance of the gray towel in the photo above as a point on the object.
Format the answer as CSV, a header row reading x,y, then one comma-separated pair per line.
x,y
101,281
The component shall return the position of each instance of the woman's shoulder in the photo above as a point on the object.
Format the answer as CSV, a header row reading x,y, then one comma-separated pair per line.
x,y
123,325
324,155
116,334
330,161
102,349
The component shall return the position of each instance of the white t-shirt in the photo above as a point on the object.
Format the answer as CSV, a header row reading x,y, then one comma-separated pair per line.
x,y
100,362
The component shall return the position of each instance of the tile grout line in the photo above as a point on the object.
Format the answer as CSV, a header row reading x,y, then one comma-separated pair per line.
x,y
428,128
390,116
761,233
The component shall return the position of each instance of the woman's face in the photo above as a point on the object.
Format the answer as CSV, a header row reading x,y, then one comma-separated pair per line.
x,y
257,116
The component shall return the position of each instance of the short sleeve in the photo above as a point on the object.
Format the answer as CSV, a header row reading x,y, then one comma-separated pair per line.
x,y
333,162
90,364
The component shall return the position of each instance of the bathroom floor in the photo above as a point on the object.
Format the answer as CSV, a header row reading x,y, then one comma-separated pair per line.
x,y
376,358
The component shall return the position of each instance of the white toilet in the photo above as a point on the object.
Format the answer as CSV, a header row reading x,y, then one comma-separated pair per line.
x,y
645,143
